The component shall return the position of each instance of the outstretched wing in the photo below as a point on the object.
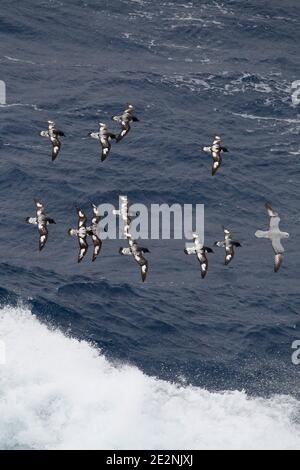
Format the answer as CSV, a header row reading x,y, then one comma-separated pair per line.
x,y
125,251
202,258
117,118
274,218
94,135
56,145
277,246
229,254
106,146
58,133
278,262
262,234
96,216
83,247
97,246
270,210
43,235
190,250
81,218
144,270
217,161
31,220
139,257
124,131
44,134
227,233
142,262
40,208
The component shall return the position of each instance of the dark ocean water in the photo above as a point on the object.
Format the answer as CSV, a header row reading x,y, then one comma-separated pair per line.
x,y
193,70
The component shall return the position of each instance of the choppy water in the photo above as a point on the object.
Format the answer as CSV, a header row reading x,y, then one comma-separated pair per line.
x,y
192,70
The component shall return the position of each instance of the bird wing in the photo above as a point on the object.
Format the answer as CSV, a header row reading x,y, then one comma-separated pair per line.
x,y
270,210
125,251
202,258
96,216
262,234
83,247
117,118
125,129
58,133
56,145
277,246
94,135
227,233
190,250
97,246
139,257
43,235
144,270
217,161
44,134
229,254
106,146
81,218
274,222
40,208
278,262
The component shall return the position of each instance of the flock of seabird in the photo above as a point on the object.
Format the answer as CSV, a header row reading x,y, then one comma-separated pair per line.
x,y
84,231
103,136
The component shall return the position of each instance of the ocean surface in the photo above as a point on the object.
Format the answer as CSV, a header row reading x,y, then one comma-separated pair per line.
x,y
95,358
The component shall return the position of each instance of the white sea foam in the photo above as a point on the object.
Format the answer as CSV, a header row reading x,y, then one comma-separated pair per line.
x,y
60,393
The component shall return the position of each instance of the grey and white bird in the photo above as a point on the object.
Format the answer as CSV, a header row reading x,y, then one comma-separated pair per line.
x,y
216,151
229,244
41,220
138,254
198,249
53,134
275,235
104,137
125,120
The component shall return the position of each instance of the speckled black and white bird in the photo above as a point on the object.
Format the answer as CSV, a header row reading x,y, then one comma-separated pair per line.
x,y
81,233
216,151
138,254
229,244
275,235
104,137
41,220
125,119
53,134
198,249
93,232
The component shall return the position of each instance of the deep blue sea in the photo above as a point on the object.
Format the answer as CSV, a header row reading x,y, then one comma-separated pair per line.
x,y
95,358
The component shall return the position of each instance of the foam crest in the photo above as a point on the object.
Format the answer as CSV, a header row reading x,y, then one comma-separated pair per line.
x,y
60,393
